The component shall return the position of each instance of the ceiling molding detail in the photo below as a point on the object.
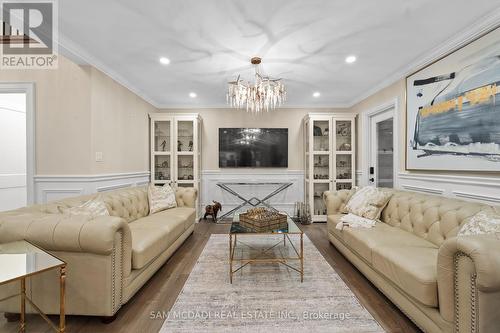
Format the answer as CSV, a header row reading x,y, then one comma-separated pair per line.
x,y
464,37
75,53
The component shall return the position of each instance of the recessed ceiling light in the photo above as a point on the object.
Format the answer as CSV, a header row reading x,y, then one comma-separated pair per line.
x,y
164,60
316,94
350,59
192,95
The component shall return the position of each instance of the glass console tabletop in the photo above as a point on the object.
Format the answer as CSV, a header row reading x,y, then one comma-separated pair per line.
x,y
20,260
236,228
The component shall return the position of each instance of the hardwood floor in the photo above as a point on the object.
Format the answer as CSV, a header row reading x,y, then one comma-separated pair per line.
x,y
160,292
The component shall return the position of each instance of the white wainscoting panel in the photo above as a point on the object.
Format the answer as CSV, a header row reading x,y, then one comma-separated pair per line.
x,y
55,187
12,191
472,188
283,201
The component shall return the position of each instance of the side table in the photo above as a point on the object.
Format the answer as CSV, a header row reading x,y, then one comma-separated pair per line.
x,y
20,260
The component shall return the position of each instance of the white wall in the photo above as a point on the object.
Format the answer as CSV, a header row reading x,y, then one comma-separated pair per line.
x,y
13,192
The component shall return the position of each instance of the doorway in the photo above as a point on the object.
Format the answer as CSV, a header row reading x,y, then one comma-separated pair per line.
x,y
381,142
16,146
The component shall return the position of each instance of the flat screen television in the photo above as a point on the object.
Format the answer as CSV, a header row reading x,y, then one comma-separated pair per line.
x,y
253,147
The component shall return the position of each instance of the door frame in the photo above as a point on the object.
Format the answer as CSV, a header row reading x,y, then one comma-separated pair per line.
x,y
28,88
366,130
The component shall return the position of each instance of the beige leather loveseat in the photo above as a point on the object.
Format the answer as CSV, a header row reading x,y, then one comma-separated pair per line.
x,y
109,258
442,282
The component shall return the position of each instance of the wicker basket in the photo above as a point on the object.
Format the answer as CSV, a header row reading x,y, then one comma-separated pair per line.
x,y
260,219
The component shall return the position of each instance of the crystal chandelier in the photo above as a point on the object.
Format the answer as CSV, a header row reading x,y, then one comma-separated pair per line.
x,y
264,94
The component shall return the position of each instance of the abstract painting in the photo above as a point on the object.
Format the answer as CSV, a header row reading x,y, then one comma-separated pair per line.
x,y
453,110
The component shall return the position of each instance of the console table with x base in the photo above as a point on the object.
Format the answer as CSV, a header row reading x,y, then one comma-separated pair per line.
x,y
253,201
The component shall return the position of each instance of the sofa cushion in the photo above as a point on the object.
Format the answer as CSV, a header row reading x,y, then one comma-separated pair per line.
x,y
152,235
188,214
365,240
411,268
332,221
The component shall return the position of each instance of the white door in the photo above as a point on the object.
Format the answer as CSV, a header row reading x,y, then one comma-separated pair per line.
x,y
13,151
381,164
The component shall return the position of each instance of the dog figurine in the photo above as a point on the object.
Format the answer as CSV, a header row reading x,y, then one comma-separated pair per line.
x,y
213,210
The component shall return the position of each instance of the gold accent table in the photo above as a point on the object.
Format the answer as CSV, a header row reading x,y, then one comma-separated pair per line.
x,y
20,260
237,231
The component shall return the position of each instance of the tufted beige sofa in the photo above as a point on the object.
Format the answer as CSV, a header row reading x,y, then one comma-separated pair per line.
x,y
109,258
442,282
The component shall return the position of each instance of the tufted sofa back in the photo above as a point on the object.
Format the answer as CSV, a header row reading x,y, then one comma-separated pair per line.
x,y
130,203
431,217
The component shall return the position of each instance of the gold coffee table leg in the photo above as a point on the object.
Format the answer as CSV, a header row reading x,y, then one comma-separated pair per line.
x,y
22,321
301,257
230,258
62,286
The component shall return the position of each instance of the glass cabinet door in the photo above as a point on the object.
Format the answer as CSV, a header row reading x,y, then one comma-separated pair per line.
x,y
185,156
343,135
162,169
321,135
185,170
162,135
161,159
185,135
319,207
344,157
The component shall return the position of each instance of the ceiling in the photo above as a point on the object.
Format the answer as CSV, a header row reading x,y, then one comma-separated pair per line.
x,y
210,42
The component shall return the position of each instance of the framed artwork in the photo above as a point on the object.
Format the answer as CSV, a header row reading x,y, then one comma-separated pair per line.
x,y
453,110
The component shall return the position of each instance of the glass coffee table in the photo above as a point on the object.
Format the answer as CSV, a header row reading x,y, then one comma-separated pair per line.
x,y
238,231
20,260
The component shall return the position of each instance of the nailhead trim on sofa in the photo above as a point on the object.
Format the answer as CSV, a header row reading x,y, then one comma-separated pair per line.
x,y
473,298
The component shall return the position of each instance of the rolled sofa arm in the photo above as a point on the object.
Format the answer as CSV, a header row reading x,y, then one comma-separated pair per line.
x,y
59,232
469,282
335,201
186,196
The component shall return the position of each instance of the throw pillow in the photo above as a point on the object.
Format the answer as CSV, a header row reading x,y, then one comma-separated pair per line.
x,y
343,208
161,198
92,208
368,202
484,222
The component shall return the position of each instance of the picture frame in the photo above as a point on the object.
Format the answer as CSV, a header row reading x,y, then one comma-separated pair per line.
x,y
453,110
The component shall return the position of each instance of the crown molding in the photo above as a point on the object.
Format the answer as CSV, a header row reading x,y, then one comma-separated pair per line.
x,y
77,54
467,35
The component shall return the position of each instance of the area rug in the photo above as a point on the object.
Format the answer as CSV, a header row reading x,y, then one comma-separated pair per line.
x,y
265,297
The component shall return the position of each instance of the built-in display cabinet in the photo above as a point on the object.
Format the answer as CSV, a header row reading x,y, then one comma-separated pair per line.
x,y
329,153
176,150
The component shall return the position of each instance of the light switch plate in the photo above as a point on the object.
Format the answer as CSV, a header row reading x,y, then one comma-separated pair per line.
x,y
99,156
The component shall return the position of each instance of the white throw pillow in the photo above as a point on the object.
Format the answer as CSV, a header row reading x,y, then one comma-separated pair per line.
x,y
342,208
161,198
92,208
484,222
368,202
